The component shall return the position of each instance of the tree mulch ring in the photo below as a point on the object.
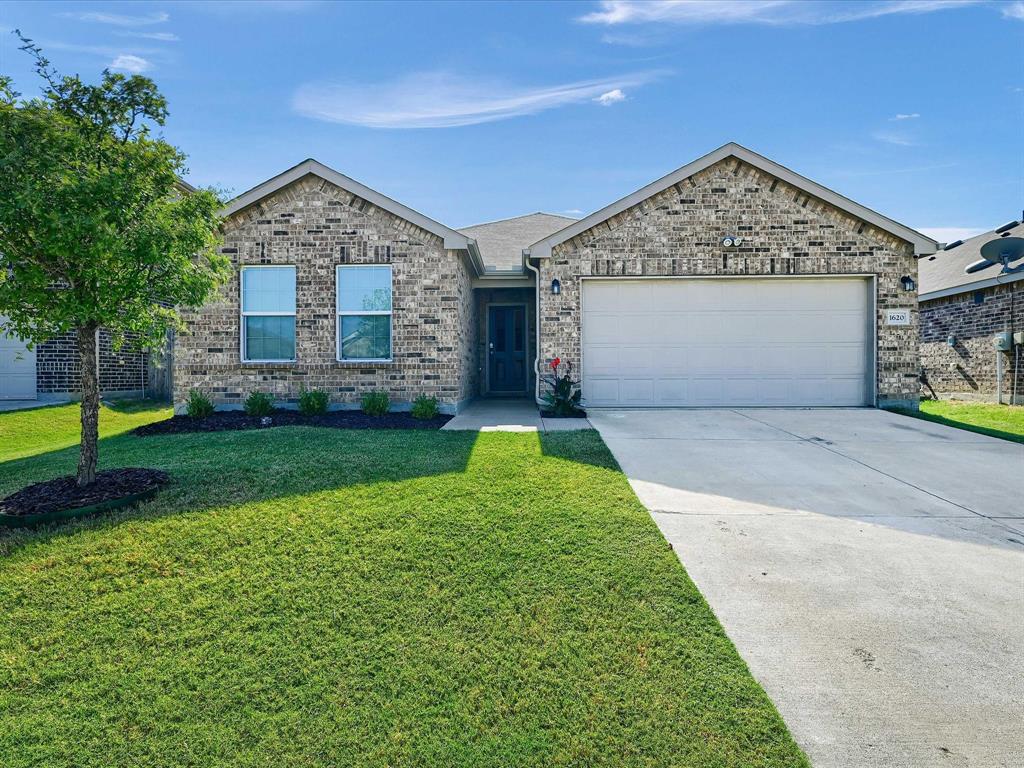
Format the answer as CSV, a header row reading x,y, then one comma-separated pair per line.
x,y
223,421
64,498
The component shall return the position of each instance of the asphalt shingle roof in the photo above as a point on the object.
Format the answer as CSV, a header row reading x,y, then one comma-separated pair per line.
x,y
502,242
944,271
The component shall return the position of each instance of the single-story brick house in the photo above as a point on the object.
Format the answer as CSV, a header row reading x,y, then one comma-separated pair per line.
x,y
51,372
960,317
731,281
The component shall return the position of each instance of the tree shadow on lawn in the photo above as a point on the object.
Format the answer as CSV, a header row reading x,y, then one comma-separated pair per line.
x,y
1013,437
217,470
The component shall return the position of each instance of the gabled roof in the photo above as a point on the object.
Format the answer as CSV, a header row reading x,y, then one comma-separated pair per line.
x,y
943,273
922,243
452,239
501,242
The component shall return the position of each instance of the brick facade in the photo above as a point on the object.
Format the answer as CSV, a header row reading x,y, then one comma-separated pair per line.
x,y
58,373
314,226
968,368
785,232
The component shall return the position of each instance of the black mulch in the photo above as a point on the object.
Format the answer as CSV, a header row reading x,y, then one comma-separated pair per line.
x,y
229,420
579,414
63,493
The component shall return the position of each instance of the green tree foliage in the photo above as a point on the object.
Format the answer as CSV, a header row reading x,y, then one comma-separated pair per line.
x,y
96,228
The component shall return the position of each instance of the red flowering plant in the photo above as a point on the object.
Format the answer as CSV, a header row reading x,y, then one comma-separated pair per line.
x,y
563,397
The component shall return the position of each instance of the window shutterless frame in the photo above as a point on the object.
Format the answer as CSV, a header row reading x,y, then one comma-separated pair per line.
x,y
339,270
244,314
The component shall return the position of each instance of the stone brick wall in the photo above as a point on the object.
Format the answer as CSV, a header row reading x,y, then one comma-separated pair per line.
x,y
968,369
315,226
784,231
58,372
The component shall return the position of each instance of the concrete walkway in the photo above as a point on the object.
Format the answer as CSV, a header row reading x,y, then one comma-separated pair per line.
x,y
868,566
21,405
509,415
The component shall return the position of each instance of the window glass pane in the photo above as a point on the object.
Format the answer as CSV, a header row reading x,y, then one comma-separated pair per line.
x,y
269,338
364,289
268,289
365,337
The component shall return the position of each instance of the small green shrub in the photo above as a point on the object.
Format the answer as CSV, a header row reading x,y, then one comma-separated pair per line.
x,y
313,402
259,404
376,403
424,408
198,405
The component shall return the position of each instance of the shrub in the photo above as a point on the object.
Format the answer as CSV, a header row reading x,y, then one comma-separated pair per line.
x,y
198,405
376,403
424,408
563,399
259,404
313,402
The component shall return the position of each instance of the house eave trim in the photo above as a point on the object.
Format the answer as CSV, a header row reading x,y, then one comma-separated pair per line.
x,y
453,240
923,245
971,287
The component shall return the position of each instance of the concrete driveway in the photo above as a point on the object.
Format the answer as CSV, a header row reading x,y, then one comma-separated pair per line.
x,y
868,566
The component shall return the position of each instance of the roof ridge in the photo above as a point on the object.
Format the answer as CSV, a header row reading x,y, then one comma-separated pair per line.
x,y
521,216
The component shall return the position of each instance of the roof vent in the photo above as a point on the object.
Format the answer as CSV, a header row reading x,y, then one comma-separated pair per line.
x,y
954,244
1005,227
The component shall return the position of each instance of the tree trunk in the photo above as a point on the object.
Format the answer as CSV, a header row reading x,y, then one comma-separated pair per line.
x,y
89,450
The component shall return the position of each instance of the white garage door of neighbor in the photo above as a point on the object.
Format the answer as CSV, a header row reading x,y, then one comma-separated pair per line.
x,y
17,368
727,342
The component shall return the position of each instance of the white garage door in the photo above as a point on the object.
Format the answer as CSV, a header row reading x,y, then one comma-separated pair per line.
x,y
17,368
727,342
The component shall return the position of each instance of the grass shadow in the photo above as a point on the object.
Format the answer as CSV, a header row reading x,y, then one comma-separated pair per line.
x,y
1013,437
211,471
583,446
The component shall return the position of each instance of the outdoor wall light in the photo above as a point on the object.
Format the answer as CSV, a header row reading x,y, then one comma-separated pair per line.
x,y
908,283
951,340
556,287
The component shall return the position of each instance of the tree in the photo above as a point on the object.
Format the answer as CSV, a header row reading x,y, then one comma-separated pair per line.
x,y
96,228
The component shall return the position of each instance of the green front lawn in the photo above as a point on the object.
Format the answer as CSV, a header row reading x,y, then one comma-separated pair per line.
x,y
315,597
1005,421
27,433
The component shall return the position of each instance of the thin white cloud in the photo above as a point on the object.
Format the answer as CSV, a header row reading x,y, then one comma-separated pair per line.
x,y
611,97
117,19
129,63
893,137
1014,10
771,12
164,37
950,234
905,116
572,212
445,100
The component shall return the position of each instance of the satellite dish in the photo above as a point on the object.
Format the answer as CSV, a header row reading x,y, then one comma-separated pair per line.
x,y
1002,250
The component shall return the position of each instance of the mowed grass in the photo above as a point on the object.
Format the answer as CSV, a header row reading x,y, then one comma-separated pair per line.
x,y
316,597
1005,421
27,433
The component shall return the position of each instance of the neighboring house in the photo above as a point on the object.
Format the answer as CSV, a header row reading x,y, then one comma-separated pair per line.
x,y
51,371
730,282
960,315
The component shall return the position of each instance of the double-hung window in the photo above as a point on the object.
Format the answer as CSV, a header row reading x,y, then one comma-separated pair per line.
x,y
364,312
268,314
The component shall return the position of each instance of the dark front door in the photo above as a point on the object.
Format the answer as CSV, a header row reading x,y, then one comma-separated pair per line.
x,y
506,349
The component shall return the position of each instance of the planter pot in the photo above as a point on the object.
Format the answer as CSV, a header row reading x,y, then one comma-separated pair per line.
x,y
30,521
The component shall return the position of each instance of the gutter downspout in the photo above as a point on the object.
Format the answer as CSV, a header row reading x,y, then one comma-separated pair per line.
x,y
536,325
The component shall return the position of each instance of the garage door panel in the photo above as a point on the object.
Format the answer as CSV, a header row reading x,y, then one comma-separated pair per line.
x,y
17,367
705,342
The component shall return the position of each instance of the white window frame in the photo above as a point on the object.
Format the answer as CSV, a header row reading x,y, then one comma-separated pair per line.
x,y
243,314
339,313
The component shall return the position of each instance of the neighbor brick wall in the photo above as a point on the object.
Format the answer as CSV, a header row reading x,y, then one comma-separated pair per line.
x,y
59,373
315,225
969,367
784,231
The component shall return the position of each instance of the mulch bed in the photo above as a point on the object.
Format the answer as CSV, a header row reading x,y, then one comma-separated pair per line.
x,y
580,414
63,494
222,421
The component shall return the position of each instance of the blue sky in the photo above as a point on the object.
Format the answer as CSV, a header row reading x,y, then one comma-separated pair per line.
x,y
470,112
